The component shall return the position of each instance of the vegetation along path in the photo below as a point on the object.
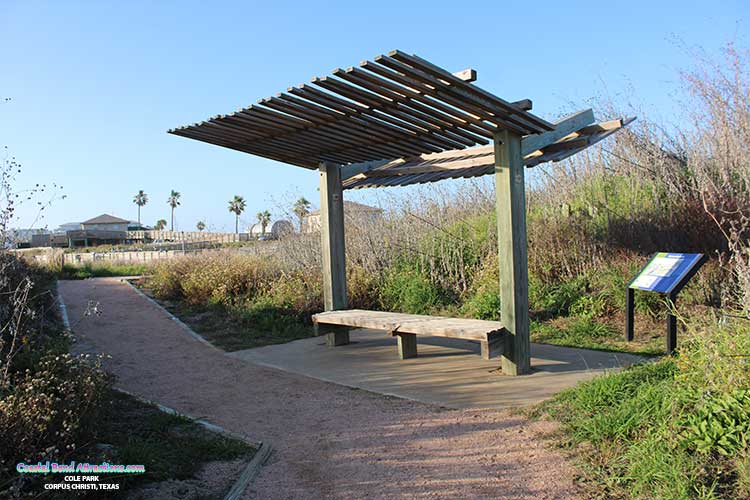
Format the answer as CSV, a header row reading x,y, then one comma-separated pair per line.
x,y
330,442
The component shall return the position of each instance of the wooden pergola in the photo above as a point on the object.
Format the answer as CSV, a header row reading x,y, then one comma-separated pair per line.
x,y
401,120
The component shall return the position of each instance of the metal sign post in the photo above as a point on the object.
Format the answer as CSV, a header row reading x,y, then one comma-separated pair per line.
x,y
665,274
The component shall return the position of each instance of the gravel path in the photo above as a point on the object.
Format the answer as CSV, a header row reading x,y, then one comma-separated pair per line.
x,y
330,442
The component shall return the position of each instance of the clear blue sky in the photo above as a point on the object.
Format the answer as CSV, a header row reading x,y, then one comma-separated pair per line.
x,y
94,85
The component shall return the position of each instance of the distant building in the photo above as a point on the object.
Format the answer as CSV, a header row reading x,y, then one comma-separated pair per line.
x,y
68,226
105,222
21,238
274,230
353,213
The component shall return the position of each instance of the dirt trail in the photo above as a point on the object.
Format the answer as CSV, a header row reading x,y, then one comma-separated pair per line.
x,y
330,442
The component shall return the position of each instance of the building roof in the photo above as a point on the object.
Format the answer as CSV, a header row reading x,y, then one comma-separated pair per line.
x,y
353,206
106,219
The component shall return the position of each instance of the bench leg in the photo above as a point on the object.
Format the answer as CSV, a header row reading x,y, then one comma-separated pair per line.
x,y
337,338
407,345
335,335
494,346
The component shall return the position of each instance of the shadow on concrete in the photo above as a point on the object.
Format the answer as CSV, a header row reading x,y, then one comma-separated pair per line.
x,y
447,372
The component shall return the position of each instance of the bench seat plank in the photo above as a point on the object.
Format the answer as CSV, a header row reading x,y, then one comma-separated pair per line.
x,y
469,329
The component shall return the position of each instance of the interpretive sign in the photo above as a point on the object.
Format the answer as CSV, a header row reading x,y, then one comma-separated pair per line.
x,y
666,274
666,271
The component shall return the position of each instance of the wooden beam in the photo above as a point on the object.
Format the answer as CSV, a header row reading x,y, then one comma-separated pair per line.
x,y
332,237
524,104
563,127
468,75
510,191
529,145
348,171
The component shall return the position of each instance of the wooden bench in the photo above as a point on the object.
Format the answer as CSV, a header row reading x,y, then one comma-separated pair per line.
x,y
336,324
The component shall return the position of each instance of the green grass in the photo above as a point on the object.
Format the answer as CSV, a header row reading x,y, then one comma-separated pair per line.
x,y
242,327
673,429
169,446
592,333
102,270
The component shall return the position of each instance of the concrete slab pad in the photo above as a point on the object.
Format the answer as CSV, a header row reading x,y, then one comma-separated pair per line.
x,y
448,372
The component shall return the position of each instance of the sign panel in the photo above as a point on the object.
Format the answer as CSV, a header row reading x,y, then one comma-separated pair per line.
x,y
665,271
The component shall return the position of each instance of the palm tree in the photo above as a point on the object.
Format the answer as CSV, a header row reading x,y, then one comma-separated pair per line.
x,y
264,218
200,226
173,201
140,199
160,224
237,206
301,209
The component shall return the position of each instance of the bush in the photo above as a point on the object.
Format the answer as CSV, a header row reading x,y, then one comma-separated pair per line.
x,y
407,290
560,299
221,278
49,400
483,298
29,326
46,413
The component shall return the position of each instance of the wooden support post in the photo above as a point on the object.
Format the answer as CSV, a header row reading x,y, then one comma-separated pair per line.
x,y
332,243
407,345
510,190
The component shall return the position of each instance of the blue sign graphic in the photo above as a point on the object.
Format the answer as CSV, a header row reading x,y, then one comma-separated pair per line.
x,y
665,271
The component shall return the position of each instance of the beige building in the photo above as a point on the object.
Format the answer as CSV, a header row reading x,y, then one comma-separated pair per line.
x,y
353,213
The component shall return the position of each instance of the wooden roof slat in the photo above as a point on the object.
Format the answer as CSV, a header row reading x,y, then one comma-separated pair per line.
x,y
472,112
344,134
419,110
302,129
518,114
273,155
424,126
399,105
365,114
404,107
384,111
486,109
287,149
302,145
351,134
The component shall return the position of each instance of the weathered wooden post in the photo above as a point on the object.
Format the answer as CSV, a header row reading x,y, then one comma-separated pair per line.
x,y
510,191
332,247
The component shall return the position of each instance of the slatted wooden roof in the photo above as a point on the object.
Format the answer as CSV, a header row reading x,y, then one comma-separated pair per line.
x,y
396,106
395,121
477,161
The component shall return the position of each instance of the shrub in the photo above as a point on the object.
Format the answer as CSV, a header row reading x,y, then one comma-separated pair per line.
x,y
410,291
560,298
220,278
721,424
45,413
483,298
